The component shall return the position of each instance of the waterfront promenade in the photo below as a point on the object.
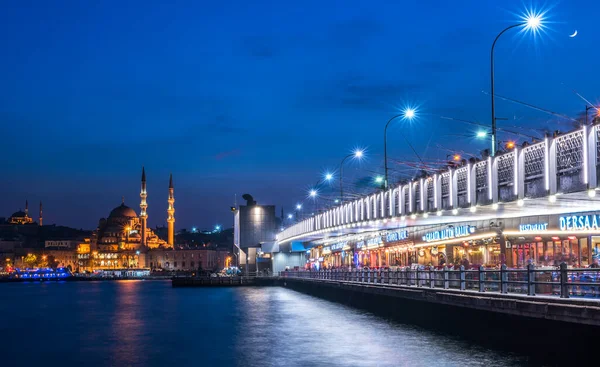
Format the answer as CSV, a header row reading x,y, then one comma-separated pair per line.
x,y
567,295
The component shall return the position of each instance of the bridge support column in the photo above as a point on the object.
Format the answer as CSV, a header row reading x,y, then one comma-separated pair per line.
x,y
591,156
453,190
520,171
552,167
494,180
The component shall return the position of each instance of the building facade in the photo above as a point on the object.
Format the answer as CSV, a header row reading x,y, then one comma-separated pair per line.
x,y
254,225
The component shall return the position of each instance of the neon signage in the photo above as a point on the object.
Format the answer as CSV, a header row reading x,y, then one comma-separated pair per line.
x,y
396,236
579,222
536,227
449,233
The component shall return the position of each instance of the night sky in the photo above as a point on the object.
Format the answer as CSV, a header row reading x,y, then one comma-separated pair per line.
x,y
262,97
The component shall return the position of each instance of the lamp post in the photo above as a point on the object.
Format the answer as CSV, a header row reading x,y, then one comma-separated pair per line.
x,y
587,109
357,154
408,113
531,21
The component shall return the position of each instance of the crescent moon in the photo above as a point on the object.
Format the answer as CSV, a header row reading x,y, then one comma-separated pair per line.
x,y
574,34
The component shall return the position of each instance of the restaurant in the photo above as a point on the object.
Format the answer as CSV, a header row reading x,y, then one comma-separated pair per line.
x,y
475,243
551,240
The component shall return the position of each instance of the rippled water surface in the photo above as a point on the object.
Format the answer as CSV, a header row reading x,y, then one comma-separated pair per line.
x,y
143,323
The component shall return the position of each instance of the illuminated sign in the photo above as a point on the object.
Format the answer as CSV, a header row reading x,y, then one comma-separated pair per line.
x,y
374,242
449,233
59,244
338,246
579,222
396,236
370,243
536,227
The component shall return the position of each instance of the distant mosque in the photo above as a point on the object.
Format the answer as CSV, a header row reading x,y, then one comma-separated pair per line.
x,y
125,231
22,217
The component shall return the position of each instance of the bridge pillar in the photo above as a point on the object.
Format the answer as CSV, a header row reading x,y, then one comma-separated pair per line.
x,y
520,173
591,156
437,191
553,184
494,180
453,190
402,200
472,185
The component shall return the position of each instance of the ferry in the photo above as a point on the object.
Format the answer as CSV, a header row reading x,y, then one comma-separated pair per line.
x,y
42,274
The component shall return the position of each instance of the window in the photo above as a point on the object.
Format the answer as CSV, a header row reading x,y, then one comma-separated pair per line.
x,y
192,264
175,264
183,264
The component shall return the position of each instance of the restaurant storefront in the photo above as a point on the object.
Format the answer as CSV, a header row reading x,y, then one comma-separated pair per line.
x,y
545,240
551,240
471,244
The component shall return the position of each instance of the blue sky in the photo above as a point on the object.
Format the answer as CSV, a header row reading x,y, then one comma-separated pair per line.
x,y
261,97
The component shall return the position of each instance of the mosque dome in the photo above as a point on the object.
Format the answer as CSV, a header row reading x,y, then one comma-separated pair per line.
x,y
122,211
19,214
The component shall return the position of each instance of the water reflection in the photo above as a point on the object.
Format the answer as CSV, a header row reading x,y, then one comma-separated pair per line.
x,y
302,330
152,324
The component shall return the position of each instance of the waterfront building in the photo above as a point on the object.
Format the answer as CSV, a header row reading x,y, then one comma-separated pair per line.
x,y
255,226
188,259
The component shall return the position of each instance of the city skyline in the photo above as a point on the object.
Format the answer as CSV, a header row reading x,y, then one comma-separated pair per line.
x,y
227,99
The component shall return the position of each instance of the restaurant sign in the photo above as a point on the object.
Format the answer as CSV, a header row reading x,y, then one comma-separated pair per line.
x,y
370,243
449,233
535,227
396,236
579,222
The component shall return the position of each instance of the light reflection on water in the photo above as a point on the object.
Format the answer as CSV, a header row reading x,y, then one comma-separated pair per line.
x,y
140,323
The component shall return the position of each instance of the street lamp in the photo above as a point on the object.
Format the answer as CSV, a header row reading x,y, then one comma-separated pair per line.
x,y
407,113
587,109
358,153
532,21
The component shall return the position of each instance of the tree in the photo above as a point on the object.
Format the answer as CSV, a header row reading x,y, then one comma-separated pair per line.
x,y
30,260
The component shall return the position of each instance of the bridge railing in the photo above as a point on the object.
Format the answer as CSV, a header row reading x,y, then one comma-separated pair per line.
x,y
558,281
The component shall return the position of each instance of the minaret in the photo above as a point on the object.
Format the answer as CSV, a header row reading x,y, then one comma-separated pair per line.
x,y
171,214
143,206
26,208
40,221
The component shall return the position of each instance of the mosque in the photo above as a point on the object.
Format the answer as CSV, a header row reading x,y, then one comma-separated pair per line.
x,y
22,217
123,238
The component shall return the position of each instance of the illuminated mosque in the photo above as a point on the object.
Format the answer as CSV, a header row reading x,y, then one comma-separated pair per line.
x,y
22,217
123,237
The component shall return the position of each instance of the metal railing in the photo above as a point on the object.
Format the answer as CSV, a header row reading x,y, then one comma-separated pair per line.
x,y
556,281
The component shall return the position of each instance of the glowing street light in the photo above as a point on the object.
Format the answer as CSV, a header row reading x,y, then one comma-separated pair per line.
x,y
358,154
531,21
298,206
328,176
290,216
407,114
313,193
481,134
378,179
